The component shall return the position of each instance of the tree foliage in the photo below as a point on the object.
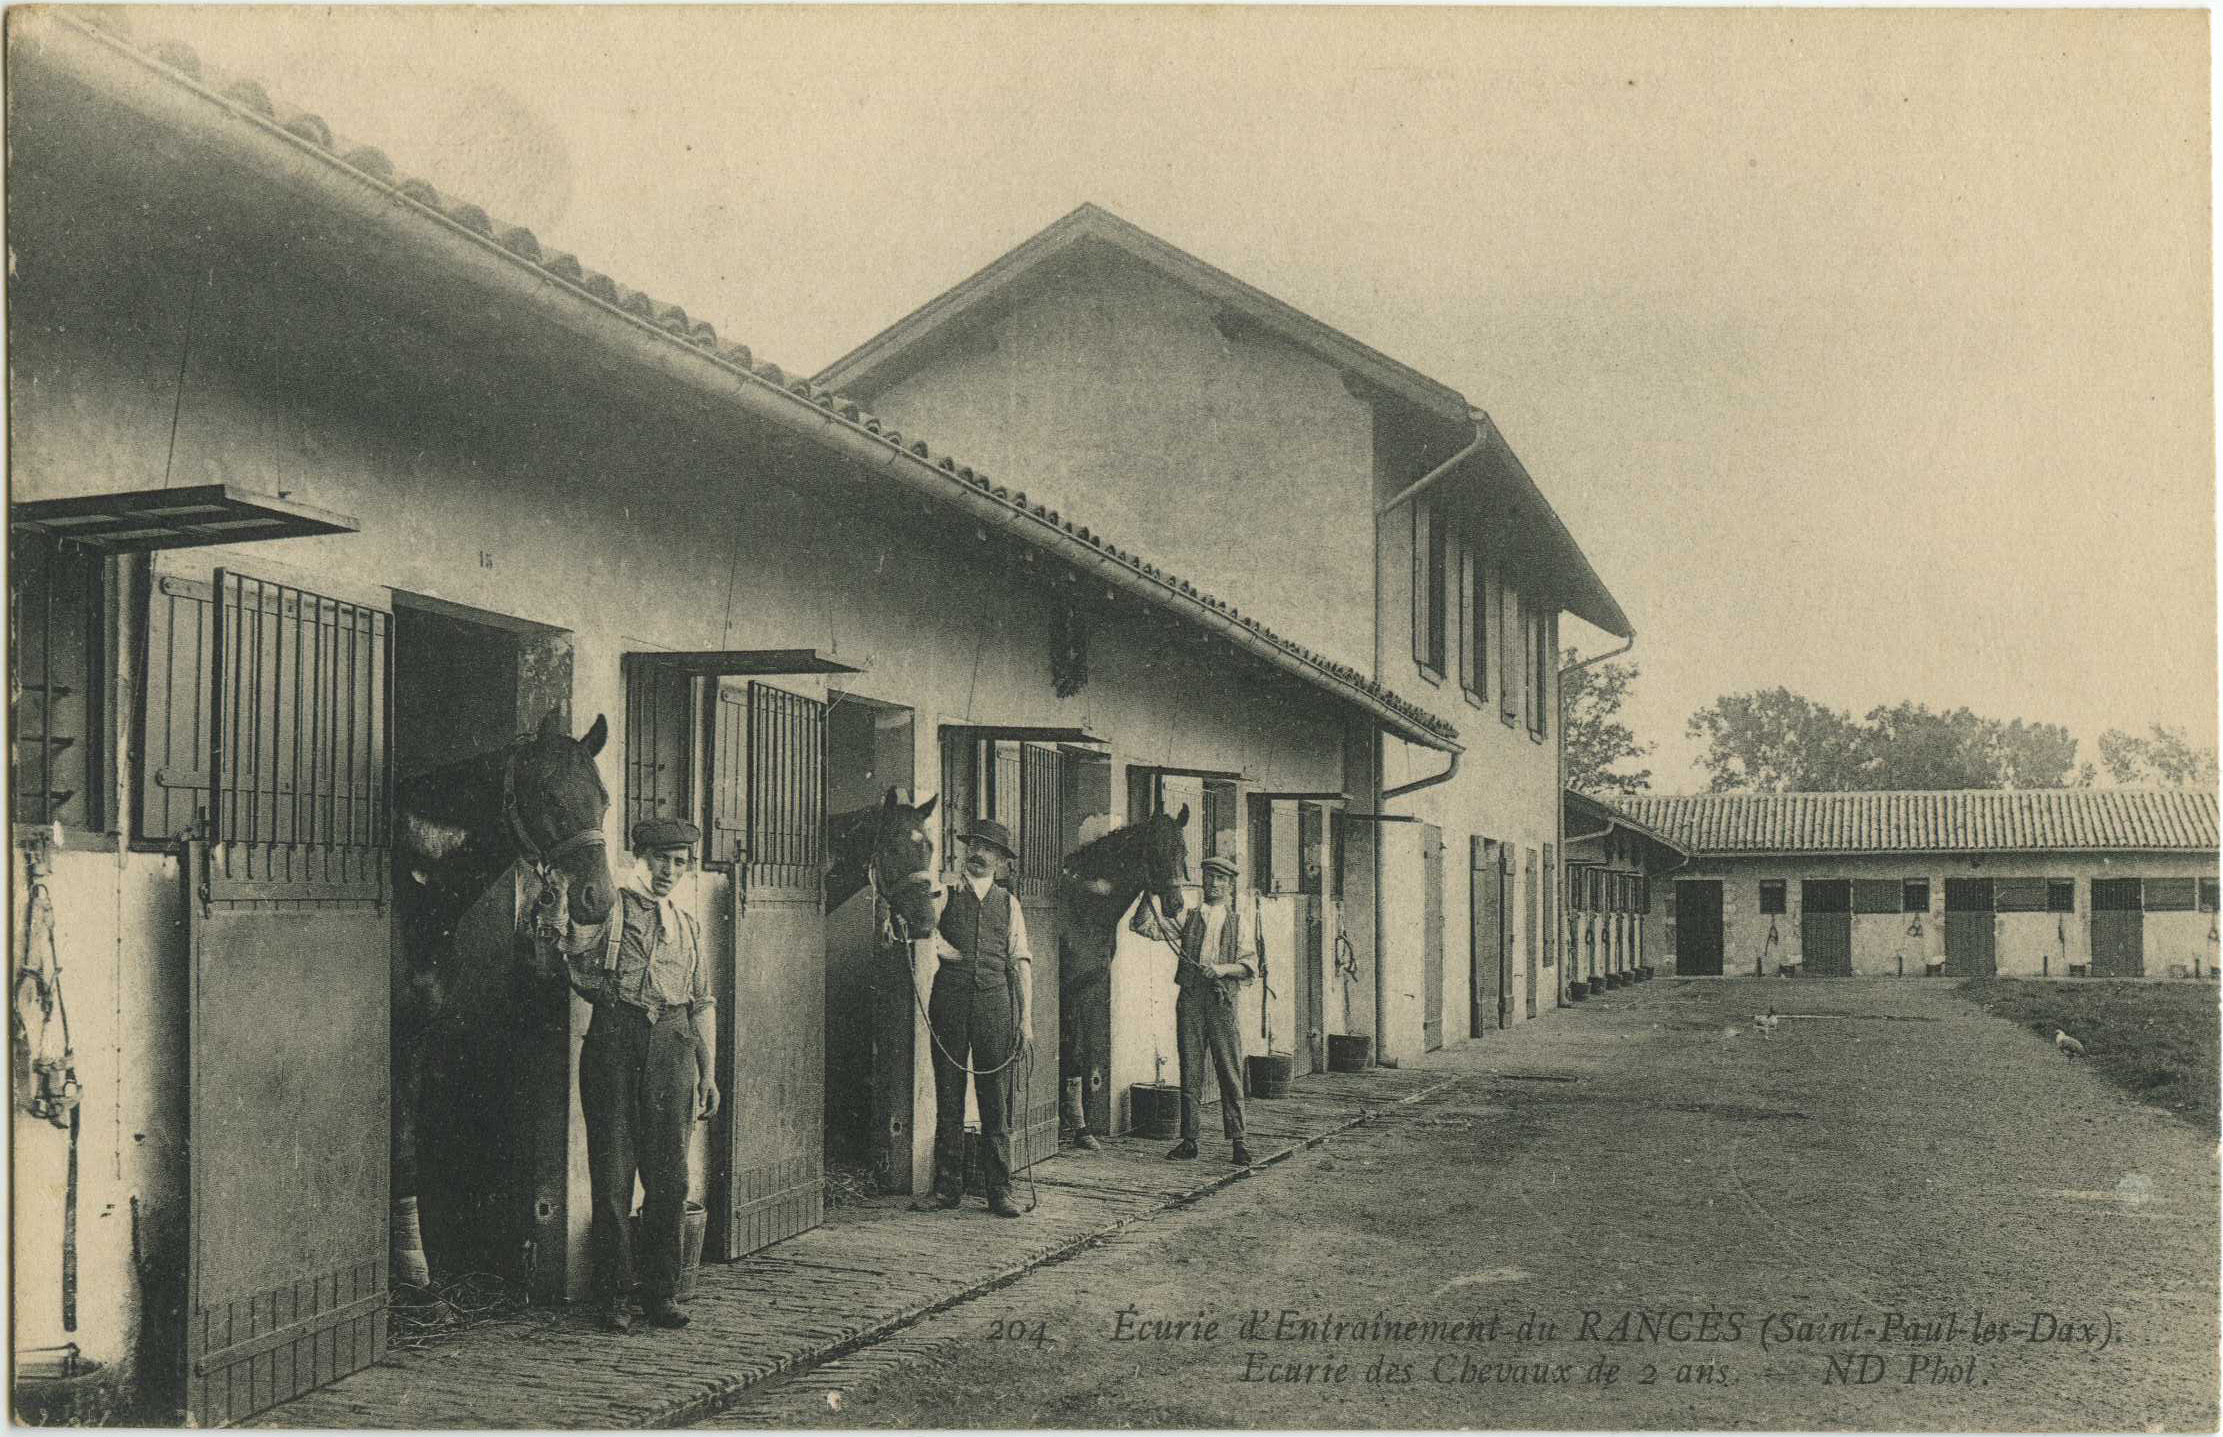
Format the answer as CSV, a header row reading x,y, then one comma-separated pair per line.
x,y
1777,741
2164,759
1594,740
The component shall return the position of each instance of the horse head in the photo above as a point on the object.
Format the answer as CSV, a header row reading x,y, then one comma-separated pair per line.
x,y
1165,858
553,804
903,862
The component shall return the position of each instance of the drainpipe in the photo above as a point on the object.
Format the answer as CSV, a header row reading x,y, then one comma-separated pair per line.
x,y
1430,782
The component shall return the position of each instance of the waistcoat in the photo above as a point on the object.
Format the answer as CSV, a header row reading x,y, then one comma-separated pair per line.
x,y
1192,948
980,930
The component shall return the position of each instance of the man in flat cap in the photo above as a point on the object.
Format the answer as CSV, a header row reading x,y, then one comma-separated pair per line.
x,y
646,1074
1213,964
980,1014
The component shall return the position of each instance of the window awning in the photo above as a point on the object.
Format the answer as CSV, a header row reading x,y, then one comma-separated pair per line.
x,y
147,519
1020,733
738,663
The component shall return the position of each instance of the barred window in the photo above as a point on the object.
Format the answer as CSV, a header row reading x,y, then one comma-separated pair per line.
x,y
1771,895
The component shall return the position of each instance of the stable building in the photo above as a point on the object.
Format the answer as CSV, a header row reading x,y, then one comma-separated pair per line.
x,y
1971,883
1612,863
323,479
1365,509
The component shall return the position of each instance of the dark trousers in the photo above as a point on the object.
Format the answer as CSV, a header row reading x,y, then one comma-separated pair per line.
x,y
975,1028
1204,1026
637,1090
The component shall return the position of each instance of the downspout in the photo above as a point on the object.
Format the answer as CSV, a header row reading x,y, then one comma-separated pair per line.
x,y
1559,809
1381,986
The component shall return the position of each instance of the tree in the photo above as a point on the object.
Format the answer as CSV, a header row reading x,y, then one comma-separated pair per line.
x,y
2167,759
1778,741
1592,736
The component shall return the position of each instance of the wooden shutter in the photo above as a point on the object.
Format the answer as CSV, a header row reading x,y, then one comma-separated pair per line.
x,y
2018,895
1877,895
1465,606
659,735
727,839
1421,536
2171,895
1509,647
173,769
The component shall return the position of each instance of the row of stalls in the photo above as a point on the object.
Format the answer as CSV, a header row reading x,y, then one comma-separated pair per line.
x,y
1613,866
2054,883
324,482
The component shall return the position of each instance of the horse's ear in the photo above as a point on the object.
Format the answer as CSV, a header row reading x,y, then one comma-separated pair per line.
x,y
551,724
1182,821
926,809
889,803
597,736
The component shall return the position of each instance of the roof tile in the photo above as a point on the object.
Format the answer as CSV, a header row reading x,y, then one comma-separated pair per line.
x,y
1950,821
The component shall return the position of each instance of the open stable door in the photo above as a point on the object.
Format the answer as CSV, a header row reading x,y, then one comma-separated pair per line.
x,y
772,1025
1041,839
287,1035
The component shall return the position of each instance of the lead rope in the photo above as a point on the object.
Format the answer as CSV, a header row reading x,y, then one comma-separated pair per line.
x,y
895,928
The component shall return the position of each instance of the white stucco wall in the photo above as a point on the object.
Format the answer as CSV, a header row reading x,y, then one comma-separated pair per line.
x,y
1239,463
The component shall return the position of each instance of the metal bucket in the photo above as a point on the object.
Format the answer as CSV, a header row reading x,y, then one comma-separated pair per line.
x,y
1268,1075
1350,1052
1157,1110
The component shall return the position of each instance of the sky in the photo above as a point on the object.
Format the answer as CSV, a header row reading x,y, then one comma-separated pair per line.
x,y
1866,353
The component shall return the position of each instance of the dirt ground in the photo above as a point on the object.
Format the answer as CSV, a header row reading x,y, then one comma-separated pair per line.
x,y
1894,1212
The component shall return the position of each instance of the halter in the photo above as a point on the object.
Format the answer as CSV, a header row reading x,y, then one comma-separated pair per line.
x,y
541,859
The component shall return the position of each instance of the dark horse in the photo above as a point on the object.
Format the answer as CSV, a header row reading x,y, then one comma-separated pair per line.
x,y
1098,883
888,846
457,830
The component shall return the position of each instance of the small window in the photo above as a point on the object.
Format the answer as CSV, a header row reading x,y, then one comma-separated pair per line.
x,y
1338,830
2060,895
2208,895
54,679
1876,895
2170,895
1915,896
2019,895
1771,895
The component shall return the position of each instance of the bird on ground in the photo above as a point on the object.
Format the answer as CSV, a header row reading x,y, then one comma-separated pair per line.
x,y
2068,1045
1765,1023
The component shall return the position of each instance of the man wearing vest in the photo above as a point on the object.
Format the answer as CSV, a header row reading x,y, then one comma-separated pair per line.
x,y
645,1071
1211,967
980,1015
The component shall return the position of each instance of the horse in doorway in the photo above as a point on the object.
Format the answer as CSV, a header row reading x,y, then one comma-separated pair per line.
x,y
457,830
888,846
1097,884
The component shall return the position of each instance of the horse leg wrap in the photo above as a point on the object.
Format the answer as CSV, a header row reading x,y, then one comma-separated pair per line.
x,y
410,1267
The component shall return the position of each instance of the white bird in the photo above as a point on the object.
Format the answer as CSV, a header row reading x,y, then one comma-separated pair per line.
x,y
1766,1024
2068,1045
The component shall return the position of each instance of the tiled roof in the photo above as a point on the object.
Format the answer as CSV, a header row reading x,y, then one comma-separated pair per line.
x,y
1950,821
252,103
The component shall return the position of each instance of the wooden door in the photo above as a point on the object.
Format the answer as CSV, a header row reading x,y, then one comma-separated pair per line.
x,y
1971,932
1041,838
1825,927
1485,937
1528,929
1698,927
772,1022
1431,937
2118,928
286,910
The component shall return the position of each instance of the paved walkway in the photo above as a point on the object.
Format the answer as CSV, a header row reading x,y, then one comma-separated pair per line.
x,y
870,1271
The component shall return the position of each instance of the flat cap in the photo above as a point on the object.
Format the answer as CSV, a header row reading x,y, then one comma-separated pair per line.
x,y
1221,864
652,833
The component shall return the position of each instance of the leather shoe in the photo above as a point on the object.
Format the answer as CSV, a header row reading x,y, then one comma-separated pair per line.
x,y
1002,1206
1087,1143
617,1317
936,1202
1242,1156
1183,1152
664,1312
